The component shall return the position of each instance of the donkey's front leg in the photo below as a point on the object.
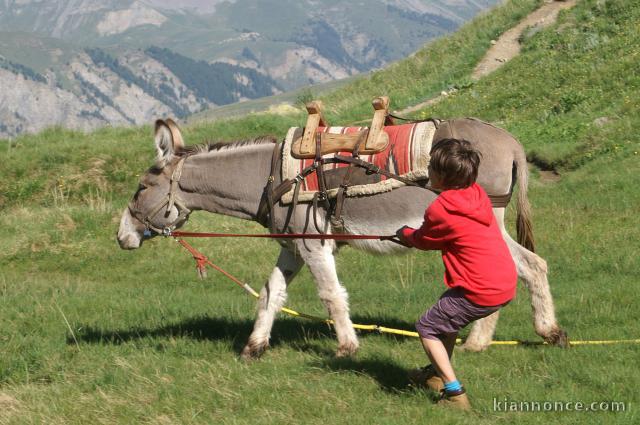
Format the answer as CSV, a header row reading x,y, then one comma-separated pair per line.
x,y
272,297
319,257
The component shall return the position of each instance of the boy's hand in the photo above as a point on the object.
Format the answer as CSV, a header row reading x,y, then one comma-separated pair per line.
x,y
401,238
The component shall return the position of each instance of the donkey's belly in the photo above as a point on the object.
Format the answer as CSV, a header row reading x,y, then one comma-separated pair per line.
x,y
383,214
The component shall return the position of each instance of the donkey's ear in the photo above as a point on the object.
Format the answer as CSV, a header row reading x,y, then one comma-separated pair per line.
x,y
166,145
178,142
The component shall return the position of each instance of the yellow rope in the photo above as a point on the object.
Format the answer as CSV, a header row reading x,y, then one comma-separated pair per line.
x,y
383,329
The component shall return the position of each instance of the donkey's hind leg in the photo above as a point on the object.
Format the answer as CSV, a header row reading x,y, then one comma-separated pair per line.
x,y
532,269
272,297
481,333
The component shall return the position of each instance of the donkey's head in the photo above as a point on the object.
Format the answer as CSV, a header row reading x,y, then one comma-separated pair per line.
x,y
156,207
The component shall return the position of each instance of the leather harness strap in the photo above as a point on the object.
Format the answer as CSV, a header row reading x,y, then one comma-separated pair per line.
x,y
336,219
170,200
268,190
374,169
321,194
272,195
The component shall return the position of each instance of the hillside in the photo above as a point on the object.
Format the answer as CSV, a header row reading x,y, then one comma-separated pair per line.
x,y
92,333
87,63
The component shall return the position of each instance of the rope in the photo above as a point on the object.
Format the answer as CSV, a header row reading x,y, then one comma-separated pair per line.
x,y
202,261
278,236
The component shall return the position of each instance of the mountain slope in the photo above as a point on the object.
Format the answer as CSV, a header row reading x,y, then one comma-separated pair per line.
x,y
179,60
93,89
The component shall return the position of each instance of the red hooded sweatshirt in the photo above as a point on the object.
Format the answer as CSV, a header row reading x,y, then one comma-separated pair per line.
x,y
461,224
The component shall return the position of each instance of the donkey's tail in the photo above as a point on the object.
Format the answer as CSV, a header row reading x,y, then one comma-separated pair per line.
x,y
524,228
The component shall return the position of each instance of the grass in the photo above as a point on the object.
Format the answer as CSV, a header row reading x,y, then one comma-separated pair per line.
x,y
93,334
581,73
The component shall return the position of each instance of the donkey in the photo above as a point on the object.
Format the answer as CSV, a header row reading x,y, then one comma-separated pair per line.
x,y
230,179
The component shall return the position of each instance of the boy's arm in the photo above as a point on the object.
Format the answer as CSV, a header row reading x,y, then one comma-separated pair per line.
x,y
434,233
400,235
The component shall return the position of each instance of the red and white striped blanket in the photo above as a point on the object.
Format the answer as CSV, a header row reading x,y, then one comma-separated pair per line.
x,y
407,156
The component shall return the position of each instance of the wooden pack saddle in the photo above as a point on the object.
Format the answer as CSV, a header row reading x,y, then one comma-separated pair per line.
x,y
367,142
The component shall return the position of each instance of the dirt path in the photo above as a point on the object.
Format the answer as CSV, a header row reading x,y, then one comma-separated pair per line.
x,y
507,46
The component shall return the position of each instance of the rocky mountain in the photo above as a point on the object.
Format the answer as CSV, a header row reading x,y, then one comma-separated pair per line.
x,y
87,88
87,63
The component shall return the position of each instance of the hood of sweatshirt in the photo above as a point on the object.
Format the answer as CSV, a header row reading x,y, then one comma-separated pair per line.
x,y
471,202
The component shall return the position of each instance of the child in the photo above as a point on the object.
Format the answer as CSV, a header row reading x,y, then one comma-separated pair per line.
x,y
479,270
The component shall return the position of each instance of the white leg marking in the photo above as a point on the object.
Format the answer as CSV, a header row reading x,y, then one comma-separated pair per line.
x,y
272,297
322,265
533,271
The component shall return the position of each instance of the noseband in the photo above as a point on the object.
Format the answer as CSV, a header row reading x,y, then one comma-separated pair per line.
x,y
169,200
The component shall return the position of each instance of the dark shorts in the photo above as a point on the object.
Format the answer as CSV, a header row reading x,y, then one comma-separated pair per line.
x,y
451,313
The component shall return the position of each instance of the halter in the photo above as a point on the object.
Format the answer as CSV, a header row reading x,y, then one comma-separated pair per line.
x,y
169,200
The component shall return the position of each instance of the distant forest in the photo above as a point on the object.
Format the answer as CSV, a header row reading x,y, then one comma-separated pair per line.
x,y
100,57
27,72
217,82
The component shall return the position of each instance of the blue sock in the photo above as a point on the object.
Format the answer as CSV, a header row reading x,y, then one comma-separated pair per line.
x,y
452,386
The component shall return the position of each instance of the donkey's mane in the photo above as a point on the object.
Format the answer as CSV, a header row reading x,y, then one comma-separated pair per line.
x,y
217,146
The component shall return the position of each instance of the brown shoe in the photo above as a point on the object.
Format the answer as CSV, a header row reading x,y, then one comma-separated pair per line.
x,y
457,400
426,377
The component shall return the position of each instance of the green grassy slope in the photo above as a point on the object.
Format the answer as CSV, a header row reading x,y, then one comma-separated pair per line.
x,y
572,95
91,333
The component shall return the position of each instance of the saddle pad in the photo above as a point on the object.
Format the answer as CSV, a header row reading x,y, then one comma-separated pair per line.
x,y
407,156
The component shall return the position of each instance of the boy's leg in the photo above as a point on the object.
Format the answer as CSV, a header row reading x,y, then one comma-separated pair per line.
x,y
439,352
429,376
438,332
449,342
438,329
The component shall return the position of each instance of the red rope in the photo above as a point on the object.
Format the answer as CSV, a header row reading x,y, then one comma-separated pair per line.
x,y
202,261
278,236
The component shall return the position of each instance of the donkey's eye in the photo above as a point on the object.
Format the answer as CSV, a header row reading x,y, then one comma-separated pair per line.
x,y
141,187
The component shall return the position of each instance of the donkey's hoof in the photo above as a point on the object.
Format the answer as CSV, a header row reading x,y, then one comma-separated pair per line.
x,y
253,351
558,337
347,350
473,347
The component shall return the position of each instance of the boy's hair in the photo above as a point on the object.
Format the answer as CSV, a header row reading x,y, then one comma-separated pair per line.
x,y
456,162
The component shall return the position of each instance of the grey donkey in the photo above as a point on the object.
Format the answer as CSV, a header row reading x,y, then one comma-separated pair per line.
x,y
230,179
